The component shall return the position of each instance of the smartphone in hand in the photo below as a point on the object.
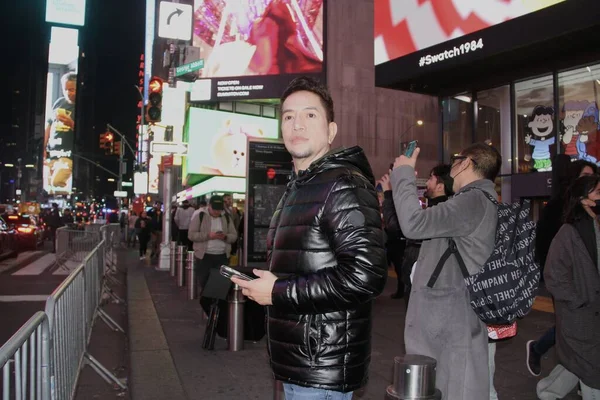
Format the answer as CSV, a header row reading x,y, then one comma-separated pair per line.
x,y
229,272
410,148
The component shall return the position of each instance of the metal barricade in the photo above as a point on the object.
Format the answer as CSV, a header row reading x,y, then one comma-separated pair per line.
x,y
72,310
27,356
111,234
72,246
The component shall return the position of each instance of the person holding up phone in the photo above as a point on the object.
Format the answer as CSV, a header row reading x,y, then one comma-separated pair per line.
x,y
212,232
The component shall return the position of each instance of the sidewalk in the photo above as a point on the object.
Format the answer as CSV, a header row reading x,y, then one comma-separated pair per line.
x,y
167,360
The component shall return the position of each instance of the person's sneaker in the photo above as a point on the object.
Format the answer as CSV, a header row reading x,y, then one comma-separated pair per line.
x,y
533,359
142,258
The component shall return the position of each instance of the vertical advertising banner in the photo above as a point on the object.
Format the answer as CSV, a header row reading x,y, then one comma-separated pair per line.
x,y
269,170
61,91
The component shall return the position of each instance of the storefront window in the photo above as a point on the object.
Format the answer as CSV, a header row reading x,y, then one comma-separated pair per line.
x,y
535,141
457,119
493,128
578,99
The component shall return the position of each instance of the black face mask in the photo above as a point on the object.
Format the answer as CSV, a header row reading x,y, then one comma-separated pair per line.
x,y
596,208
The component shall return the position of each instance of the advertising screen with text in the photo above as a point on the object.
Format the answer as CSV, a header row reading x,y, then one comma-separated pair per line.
x,y
252,49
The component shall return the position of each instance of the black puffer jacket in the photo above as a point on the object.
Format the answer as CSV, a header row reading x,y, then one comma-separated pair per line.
x,y
326,240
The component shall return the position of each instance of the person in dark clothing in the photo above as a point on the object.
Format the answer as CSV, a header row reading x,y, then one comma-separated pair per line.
x,y
564,172
143,228
396,242
67,217
54,221
439,188
156,222
326,256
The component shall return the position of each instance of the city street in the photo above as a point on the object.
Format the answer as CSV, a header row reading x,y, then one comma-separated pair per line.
x,y
25,283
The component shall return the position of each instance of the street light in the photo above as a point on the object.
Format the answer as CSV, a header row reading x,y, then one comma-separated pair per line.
x,y
419,122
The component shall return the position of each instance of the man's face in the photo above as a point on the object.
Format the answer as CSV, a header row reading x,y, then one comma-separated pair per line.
x,y
541,125
432,185
228,201
572,118
214,213
69,91
306,132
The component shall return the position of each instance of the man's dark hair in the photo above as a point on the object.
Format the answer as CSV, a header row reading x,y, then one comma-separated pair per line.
x,y
579,165
202,203
442,175
487,160
581,188
304,83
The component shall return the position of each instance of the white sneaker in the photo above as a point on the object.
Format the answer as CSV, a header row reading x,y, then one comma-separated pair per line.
x,y
142,258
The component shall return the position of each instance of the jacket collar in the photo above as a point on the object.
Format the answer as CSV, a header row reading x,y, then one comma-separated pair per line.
x,y
585,228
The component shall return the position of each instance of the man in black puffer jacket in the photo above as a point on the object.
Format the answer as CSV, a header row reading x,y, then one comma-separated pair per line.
x,y
326,256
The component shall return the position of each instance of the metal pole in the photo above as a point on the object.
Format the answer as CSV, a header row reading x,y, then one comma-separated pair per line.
x,y
180,256
414,378
235,329
164,257
191,276
173,250
120,181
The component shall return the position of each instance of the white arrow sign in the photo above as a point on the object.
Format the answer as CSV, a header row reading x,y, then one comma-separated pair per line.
x,y
180,149
175,21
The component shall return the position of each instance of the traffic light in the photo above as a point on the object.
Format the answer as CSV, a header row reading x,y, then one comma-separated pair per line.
x,y
117,148
106,140
154,107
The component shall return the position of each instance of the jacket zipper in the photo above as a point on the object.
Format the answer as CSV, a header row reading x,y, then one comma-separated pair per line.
x,y
285,196
308,341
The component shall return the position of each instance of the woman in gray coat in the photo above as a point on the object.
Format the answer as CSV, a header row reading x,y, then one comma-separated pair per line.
x,y
573,278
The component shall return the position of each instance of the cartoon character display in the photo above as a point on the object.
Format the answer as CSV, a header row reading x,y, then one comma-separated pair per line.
x,y
229,147
541,125
580,124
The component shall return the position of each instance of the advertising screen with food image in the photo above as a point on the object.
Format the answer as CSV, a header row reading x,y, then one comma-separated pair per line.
x,y
59,132
218,140
262,43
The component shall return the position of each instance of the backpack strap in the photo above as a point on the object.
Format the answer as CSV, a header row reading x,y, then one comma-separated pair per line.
x,y
452,249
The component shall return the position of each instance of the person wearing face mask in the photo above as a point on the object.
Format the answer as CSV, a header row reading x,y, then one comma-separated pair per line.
x,y
572,275
440,322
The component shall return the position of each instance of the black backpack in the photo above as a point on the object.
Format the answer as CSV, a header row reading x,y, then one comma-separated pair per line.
x,y
506,286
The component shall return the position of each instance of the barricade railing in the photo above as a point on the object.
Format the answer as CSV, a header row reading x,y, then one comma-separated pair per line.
x,y
72,310
24,360
73,245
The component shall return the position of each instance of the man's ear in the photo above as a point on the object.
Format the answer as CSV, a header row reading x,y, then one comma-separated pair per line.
x,y
332,132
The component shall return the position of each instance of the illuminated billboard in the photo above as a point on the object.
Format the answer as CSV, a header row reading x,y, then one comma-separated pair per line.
x,y
217,140
247,49
403,27
61,90
69,12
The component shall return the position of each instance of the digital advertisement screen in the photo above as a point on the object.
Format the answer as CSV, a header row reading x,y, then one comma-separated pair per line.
x,y
250,49
59,132
403,27
217,140
269,170
69,12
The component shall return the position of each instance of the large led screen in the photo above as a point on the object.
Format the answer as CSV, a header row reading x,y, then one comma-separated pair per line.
x,y
61,90
250,49
403,27
218,140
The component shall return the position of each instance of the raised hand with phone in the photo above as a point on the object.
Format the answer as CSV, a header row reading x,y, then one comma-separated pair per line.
x,y
410,155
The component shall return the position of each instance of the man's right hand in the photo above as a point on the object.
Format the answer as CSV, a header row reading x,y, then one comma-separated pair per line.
x,y
216,236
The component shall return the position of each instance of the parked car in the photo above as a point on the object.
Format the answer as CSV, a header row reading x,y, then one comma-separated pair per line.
x,y
29,229
8,241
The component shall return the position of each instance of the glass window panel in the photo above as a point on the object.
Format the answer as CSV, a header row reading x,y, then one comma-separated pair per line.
x,y
535,141
493,127
578,99
457,122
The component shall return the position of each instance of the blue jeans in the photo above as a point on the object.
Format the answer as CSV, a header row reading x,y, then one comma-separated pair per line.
x,y
295,392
